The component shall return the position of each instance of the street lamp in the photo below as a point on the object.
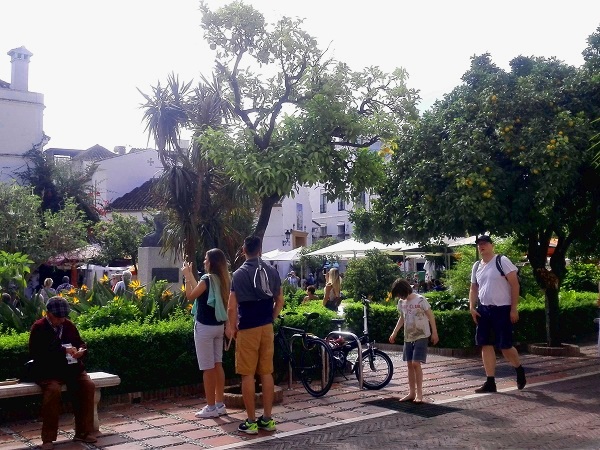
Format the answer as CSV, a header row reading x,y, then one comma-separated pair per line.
x,y
285,242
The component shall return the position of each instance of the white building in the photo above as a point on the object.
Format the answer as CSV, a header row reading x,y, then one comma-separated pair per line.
x,y
120,175
290,223
21,116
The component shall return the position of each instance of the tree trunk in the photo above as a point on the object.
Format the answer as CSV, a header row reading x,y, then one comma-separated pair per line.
x,y
265,214
552,331
549,280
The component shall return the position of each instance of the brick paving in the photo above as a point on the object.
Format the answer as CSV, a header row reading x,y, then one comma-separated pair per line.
x,y
549,413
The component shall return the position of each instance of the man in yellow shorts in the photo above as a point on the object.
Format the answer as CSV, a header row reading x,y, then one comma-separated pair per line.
x,y
255,300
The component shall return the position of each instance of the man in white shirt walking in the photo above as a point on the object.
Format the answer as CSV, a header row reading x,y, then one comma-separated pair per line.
x,y
495,285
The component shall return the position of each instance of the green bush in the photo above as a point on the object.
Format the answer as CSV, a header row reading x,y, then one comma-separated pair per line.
x,y
115,312
293,298
581,277
319,327
371,276
446,301
458,278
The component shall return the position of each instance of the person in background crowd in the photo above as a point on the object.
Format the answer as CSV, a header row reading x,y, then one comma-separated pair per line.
x,y
310,295
65,286
293,279
333,290
47,290
122,286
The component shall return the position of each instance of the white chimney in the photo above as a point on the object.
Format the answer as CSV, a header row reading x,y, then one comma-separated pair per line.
x,y
19,58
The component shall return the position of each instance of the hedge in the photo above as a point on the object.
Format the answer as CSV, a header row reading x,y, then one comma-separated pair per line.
x,y
160,355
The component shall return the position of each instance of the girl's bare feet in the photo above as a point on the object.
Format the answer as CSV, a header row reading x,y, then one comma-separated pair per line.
x,y
408,398
418,400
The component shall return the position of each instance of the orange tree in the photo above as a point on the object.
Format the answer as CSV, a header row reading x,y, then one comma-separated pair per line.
x,y
297,117
504,152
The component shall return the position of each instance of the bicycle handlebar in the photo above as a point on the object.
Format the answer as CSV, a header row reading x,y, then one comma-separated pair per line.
x,y
309,317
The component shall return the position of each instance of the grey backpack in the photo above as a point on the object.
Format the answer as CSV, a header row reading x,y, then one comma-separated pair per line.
x,y
260,281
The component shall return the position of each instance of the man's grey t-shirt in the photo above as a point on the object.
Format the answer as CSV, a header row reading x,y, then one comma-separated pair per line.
x,y
253,312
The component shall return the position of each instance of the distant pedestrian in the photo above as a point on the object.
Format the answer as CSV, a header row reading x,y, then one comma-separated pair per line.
x,y
293,279
310,295
419,327
47,291
332,297
123,286
498,298
65,286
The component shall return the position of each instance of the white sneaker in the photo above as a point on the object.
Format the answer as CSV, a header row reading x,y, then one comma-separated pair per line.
x,y
222,410
205,413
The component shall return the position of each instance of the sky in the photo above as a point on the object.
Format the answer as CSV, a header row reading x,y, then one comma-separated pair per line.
x,y
90,58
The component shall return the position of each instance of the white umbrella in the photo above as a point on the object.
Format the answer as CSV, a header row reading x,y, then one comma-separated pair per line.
x,y
464,241
292,255
349,247
271,255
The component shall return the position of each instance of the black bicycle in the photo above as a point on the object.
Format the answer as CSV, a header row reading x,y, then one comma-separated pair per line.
x,y
377,367
309,356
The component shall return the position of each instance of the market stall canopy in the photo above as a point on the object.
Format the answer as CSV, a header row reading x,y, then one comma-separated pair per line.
x,y
75,256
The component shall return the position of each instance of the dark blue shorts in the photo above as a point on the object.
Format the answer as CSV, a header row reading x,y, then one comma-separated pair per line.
x,y
494,319
416,350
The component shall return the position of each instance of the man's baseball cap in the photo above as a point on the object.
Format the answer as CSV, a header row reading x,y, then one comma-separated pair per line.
x,y
58,307
483,238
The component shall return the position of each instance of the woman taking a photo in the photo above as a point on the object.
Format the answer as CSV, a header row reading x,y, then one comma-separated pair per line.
x,y
333,290
208,331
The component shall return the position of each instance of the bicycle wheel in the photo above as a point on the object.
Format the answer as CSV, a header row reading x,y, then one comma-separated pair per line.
x,y
316,368
377,369
280,364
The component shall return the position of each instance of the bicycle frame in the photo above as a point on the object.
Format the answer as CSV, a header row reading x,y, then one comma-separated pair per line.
x,y
286,343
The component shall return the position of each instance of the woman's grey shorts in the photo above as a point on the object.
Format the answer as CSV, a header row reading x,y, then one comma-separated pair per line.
x,y
416,350
209,344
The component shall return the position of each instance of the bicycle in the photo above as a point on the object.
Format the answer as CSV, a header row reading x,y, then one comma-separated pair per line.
x,y
377,367
310,357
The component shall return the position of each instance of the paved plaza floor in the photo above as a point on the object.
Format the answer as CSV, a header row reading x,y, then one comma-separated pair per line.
x,y
559,408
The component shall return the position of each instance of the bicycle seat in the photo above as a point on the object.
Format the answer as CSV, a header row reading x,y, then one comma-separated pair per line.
x,y
312,315
338,322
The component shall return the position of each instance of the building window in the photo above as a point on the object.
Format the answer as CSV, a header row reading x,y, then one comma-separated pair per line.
x,y
341,230
324,231
362,200
323,208
341,205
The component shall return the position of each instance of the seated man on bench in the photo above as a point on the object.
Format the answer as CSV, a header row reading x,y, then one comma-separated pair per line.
x,y
57,349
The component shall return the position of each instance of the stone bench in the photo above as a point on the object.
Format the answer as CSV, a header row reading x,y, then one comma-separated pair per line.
x,y
100,379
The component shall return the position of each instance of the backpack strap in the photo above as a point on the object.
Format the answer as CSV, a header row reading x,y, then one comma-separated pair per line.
x,y
476,269
499,265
